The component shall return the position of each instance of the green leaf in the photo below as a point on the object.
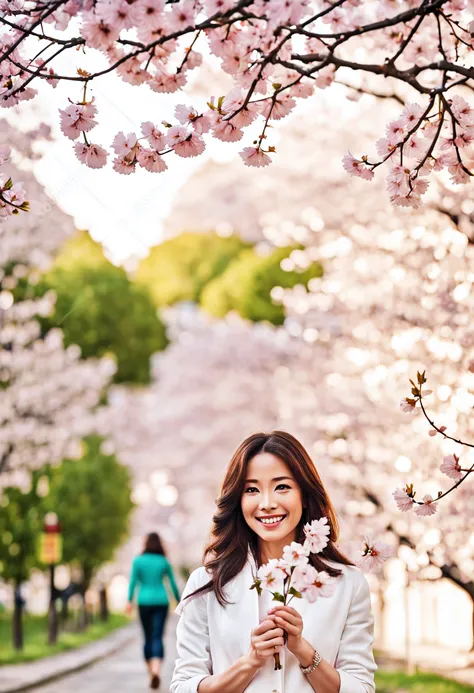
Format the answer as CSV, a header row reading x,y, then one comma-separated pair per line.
x,y
8,185
295,593
277,597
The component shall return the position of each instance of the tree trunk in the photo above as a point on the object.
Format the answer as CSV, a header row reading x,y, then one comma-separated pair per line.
x,y
17,621
52,611
103,604
64,610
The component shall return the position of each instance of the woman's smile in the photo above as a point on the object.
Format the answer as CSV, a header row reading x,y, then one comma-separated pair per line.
x,y
271,521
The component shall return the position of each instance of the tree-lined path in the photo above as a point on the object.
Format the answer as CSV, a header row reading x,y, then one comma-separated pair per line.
x,y
122,672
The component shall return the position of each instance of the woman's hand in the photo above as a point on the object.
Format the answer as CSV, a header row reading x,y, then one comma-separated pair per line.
x,y
290,620
266,639
129,608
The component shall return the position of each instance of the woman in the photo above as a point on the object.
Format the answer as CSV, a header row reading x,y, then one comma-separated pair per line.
x,y
148,571
227,635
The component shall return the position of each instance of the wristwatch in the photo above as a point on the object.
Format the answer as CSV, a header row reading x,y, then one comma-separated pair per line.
x,y
314,664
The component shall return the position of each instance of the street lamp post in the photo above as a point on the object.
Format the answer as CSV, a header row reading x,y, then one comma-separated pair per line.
x,y
50,554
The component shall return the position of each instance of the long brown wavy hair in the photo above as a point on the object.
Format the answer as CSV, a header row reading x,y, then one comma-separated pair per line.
x,y
232,538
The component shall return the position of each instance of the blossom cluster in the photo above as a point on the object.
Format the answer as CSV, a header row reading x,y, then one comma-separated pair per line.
x,y
293,576
12,195
275,54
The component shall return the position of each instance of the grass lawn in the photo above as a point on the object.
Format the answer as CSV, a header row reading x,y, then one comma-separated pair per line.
x,y
35,636
391,681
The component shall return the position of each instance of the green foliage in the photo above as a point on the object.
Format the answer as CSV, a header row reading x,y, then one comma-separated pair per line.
x,y
246,285
81,251
102,311
36,647
92,499
180,268
21,521
394,681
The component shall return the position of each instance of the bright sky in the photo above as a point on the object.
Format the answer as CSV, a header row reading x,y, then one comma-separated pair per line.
x,y
126,213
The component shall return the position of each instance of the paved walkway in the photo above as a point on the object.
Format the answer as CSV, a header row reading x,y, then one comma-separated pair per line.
x,y
123,672
118,667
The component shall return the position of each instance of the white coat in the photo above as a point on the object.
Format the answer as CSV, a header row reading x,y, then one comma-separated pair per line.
x,y
210,637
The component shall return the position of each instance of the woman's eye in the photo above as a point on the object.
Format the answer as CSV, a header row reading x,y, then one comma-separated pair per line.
x,y
251,488
283,486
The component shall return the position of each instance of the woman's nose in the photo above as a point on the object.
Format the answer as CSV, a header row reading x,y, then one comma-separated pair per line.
x,y
267,501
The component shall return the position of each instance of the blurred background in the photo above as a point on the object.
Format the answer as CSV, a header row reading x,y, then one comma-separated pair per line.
x,y
147,327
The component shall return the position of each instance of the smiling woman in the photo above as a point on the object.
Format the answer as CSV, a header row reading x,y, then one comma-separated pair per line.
x,y
271,490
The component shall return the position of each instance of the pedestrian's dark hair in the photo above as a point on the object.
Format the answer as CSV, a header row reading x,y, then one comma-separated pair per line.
x,y
153,544
232,538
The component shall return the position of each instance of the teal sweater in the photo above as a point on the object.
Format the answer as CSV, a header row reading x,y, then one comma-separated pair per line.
x,y
148,571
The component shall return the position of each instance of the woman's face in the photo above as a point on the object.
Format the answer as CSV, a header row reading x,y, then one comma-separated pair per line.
x,y
271,501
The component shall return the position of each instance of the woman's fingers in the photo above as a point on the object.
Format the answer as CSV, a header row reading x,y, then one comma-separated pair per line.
x,y
291,616
290,628
262,645
267,636
264,626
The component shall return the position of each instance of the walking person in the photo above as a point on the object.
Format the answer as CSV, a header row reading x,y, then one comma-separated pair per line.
x,y
227,635
148,571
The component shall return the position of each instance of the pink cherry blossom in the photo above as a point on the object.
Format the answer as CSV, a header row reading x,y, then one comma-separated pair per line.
x,y
357,167
232,103
189,116
254,156
396,131
91,154
16,195
98,34
374,555
301,577
187,144
150,160
78,118
125,145
403,500
182,16
213,6
411,115
271,577
319,584
451,467
154,136
408,405
325,77
295,554
226,131
317,535
428,507
119,14
166,83
278,108
384,147
123,165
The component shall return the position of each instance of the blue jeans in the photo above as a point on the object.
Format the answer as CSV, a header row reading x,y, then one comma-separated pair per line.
x,y
153,619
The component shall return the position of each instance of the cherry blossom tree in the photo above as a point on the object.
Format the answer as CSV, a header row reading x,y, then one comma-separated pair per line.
x,y
213,386
274,53
47,391
395,299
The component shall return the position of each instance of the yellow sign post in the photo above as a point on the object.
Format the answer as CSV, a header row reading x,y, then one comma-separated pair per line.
x,y
50,550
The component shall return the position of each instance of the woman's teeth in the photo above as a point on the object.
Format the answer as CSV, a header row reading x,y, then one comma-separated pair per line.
x,y
271,521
